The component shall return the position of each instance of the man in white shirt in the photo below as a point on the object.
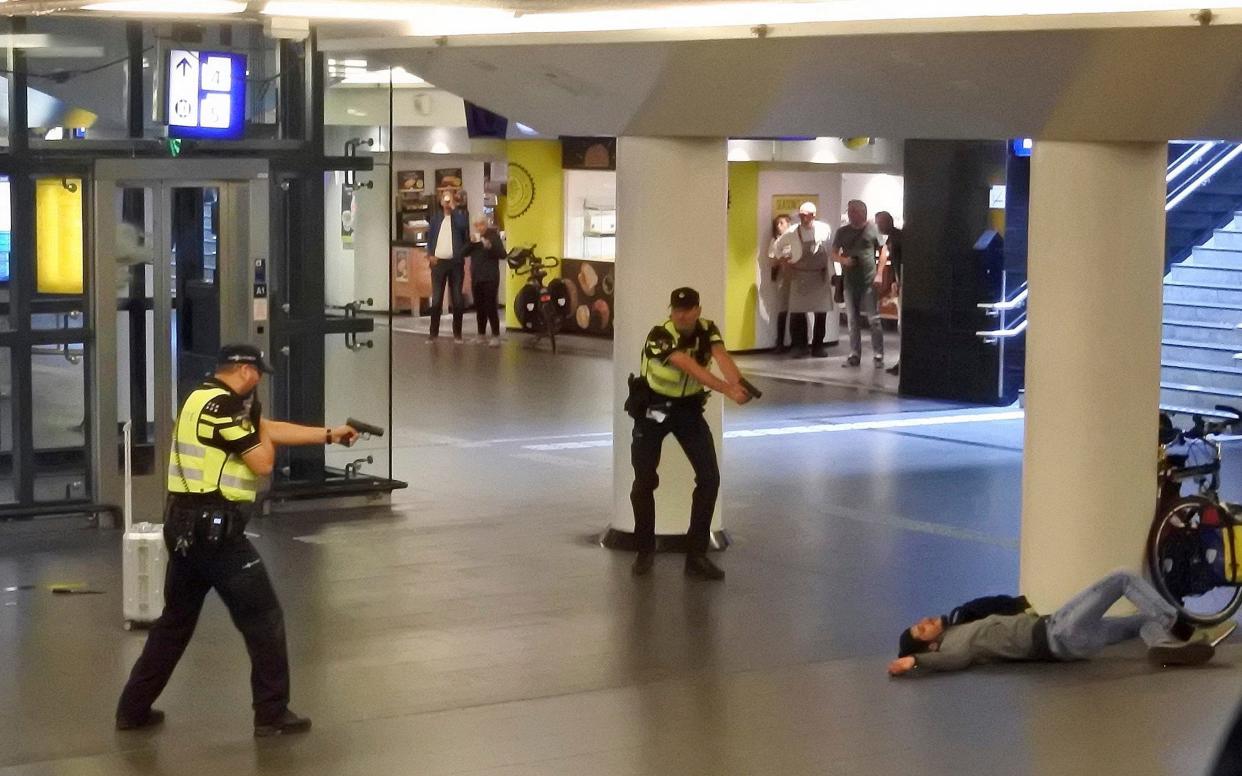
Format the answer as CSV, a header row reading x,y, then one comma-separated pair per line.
x,y
810,287
447,243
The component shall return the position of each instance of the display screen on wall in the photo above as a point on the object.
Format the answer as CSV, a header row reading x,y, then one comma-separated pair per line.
x,y
206,94
589,153
6,235
449,178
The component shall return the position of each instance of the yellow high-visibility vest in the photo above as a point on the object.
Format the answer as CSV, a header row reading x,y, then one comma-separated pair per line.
x,y
664,340
194,467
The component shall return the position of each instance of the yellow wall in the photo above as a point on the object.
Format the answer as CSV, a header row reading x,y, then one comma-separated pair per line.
x,y
543,223
59,236
741,292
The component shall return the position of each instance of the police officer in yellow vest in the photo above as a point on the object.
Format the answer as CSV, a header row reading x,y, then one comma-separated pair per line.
x,y
671,393
222,446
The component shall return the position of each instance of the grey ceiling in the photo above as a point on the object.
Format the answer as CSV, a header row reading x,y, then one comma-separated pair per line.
x,y
1119,84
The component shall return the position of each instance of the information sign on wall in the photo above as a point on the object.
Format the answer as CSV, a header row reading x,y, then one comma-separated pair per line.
x,y
788,204
206,94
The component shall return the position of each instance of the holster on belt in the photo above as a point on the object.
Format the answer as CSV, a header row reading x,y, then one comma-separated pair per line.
x,y
212,522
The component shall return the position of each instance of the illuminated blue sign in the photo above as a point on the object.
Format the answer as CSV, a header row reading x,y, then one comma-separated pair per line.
x,y
1022,146
206,94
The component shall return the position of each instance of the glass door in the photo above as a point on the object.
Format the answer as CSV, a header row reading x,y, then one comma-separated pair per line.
x,y
163,242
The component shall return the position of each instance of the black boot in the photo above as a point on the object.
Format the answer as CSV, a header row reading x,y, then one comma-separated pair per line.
x,y
782,319
151,719
286,724
643,563
700,567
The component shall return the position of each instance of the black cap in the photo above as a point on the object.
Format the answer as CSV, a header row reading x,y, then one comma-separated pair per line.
x,y
243,354
684,298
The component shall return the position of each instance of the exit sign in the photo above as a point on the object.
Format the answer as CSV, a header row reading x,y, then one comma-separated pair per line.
x,y
206,94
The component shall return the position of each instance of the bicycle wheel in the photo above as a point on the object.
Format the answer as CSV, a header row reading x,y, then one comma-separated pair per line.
x,y
550,320
525,305
1185,554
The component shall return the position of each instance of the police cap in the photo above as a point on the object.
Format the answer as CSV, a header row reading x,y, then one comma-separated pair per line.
x,y
240,353
684,298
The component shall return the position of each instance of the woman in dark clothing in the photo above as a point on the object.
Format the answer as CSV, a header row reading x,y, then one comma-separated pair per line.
x,y
487,249
778,260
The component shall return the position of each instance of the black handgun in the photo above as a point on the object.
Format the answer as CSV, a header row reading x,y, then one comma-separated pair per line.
x,y
754,392
364,428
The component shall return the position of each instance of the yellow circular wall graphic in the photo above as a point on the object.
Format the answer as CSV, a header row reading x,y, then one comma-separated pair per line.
x,y
521,190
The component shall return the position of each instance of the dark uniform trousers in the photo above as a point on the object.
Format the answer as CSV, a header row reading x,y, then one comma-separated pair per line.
x,y
687,424
237,573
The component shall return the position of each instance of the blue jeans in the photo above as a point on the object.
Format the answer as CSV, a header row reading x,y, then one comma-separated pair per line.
x,y
856,306
1079,629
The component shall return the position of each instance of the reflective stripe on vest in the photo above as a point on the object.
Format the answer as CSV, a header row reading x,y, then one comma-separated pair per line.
x,y
666,379
196,468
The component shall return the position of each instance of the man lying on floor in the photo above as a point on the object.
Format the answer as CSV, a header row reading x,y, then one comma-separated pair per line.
x,y
1001,628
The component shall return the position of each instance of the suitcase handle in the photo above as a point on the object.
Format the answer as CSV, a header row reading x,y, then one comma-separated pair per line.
x,y
127,432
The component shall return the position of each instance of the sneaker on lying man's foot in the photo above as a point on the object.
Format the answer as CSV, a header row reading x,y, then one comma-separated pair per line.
x,y
1216,634
1185,653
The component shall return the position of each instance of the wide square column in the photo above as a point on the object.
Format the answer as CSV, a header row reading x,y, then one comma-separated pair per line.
x,y
672,230
1096,264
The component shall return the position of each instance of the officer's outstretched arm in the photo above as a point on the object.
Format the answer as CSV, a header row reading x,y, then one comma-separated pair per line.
x,y
291,434
261,458
727,366
687,364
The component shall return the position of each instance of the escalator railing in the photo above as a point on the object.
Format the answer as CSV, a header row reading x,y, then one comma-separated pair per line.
x,y
1195,168
1192,165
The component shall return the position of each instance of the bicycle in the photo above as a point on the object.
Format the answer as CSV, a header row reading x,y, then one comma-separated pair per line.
x,y
1190,546
541,308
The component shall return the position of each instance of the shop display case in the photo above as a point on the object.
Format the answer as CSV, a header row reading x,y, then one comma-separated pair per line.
x,y
599,233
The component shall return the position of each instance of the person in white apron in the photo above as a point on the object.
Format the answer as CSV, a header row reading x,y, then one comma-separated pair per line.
x,y
810,283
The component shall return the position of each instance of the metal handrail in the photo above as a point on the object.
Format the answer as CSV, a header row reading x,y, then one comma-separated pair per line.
x,y
998,334
1194,153
1221,154
1014,303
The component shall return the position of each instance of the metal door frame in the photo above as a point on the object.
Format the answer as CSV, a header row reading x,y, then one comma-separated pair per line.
x,y
235,181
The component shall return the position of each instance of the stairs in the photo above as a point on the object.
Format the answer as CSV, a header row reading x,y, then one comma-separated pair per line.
x,y
1200,362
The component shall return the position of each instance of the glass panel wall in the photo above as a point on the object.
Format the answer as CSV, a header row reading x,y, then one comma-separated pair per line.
x,y
357,239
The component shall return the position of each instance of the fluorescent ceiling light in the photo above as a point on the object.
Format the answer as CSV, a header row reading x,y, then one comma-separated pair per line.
x,y
438,20
457,15
399,76
169,7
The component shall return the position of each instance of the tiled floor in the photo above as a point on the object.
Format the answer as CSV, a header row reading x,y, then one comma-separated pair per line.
x,y
475,629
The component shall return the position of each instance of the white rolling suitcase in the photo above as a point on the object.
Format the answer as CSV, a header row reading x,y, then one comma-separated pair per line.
x,y
144,558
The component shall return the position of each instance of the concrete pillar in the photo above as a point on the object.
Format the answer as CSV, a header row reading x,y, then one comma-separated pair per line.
x,y
1092,362
672,230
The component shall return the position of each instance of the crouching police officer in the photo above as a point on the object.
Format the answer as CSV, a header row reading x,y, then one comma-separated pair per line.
x,y
668,398
221,448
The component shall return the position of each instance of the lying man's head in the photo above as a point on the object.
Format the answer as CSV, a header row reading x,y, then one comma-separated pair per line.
x,y
922,636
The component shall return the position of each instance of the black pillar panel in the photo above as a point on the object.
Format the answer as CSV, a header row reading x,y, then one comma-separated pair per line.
x,y
947,209
300,379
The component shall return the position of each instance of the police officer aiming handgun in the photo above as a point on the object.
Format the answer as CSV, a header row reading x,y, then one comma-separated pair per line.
x,y
668,398
222,446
